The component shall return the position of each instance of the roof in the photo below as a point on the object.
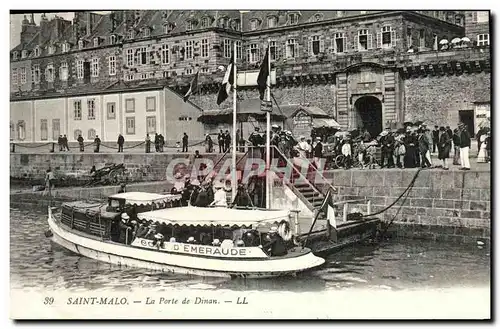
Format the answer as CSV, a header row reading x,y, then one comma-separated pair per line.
x,y
246,106
325,122
291,109
143,198
206,216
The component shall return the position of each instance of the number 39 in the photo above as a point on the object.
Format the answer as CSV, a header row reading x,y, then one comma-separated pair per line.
x,y
48,301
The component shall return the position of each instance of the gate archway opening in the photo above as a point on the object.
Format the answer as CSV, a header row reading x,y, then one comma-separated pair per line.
x,y
369,114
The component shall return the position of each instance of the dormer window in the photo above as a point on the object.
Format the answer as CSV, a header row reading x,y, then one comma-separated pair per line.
x,y
96,42
272,22
15,55
52,50
168,28
223,22
318,17
205,22
37,51
112,39
130,34
190,25
80,44
24,54
254,23
340,13
293,19
146,32
65,47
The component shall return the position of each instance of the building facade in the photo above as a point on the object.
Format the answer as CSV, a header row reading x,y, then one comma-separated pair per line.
x,y
124,72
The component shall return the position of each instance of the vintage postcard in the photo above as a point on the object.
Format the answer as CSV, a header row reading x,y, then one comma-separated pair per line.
x,y
250,164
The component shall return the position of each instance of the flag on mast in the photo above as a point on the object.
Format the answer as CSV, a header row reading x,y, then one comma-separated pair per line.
x,y
328,209
227,82
193,88
263,74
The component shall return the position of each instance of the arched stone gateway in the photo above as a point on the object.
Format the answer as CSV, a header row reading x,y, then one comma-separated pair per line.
x,y
369,114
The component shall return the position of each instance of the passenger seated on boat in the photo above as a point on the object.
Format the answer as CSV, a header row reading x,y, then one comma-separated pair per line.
x,y
242,198
125,229
151,232
276,245
141,230
191,240
216,243
172,239
205,238
227,243
220,197
239,243
158,240
114,233
250,239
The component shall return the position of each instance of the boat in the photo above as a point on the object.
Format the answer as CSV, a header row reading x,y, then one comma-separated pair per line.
x,y
92,236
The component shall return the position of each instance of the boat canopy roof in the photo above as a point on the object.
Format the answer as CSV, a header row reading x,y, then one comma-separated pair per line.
x,y
144,198
208,216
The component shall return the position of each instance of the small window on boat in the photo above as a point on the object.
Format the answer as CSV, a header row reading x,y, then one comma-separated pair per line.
x,y
114,203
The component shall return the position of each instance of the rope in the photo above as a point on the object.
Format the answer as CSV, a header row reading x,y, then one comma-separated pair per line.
x,y
32,147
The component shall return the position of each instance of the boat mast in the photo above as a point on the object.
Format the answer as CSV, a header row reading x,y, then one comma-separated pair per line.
x,y
233,166
268,129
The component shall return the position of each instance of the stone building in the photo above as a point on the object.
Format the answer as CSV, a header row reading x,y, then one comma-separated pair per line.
x,y
125,72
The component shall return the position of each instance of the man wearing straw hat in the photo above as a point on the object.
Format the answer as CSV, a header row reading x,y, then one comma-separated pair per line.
x,y
275,246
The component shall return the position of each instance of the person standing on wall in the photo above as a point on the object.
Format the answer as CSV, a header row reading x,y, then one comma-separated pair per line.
x,y
148,143
97,142
80,142
435,139
49,182
161,142
423,146
227,140
444,146
121,141
220,141
464,147
65,143
60,143
185,140
456,146
157,143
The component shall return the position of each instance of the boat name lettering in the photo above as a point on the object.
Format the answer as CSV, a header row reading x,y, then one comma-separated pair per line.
x,y
206,250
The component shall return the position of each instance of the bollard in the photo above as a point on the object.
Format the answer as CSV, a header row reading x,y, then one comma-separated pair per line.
x,y
369,207
13,148
344,215
52,149
296,218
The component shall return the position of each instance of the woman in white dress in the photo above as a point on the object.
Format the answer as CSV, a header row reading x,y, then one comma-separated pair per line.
x,y
482,156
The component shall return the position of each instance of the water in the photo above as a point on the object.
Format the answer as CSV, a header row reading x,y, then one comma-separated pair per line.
x,y
393,265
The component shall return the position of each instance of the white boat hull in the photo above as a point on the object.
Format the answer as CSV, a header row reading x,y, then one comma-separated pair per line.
x,y
158,260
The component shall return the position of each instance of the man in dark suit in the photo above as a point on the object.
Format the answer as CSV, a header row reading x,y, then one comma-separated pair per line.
x,y
220,141
185,139
120,142
423,146
464,146
435,138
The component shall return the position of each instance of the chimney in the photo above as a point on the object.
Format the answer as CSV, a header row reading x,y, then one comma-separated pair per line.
x,y
28,30
44,26
89,23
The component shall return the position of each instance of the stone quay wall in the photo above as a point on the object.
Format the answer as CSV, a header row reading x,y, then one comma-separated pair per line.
x,y
449,205
442,205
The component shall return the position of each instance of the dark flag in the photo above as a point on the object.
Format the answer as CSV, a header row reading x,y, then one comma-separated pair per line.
x,y
328,208
263,74
193,88
227,83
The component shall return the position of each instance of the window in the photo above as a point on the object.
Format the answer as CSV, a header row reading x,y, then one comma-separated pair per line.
x,y
204,48
79,69
91,109
130,34
189,71
273,50
365,40
143,76
112,65
482,17
129,77
21,130
151,104
44,130
227,48
151,125
189,50
458,20
56,129
23,75
130,123
238,49
63,71
185,118
253,53
435,44
24,54
12,131
65,47
318,17
167,28
77,133
37,51
421,38
315,45
52,50
190,25
112,39
291,48
253,24
293,19
80,44
482,40
14,76
388,37
340,13
130,57
130,105
409,39
96,42
36,73
272,22
205,70
236,24
77,109
222,22
143,56
165,58
91,134
111,111
339,45
94,69
15,55
146,32
151,75
205,22
49,73
166,74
